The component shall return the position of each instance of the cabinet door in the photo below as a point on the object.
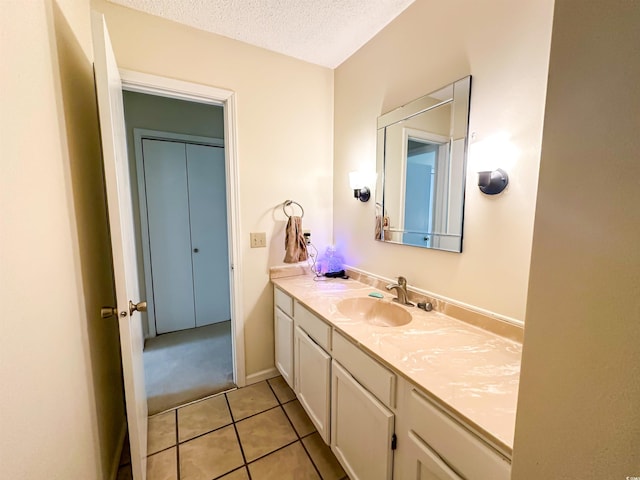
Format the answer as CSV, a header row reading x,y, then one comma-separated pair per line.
x,y
165,177
361,429
425,464
209,242
284,345
312,381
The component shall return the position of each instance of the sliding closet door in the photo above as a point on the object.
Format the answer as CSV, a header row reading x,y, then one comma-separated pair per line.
x,y
208,212
165,174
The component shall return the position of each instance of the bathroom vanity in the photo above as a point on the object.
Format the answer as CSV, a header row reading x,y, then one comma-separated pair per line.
x,y
433,398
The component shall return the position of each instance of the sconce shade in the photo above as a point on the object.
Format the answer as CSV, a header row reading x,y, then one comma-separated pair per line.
x,y
493,182
356,180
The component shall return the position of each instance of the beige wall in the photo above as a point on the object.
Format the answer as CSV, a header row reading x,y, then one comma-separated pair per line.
x,y
504,45
285,136
579,405
61,406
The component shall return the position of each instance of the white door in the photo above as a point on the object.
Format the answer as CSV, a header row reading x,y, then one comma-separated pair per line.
x,y
313,381
167,206
284,345
109,92
210,247
185,209
361,429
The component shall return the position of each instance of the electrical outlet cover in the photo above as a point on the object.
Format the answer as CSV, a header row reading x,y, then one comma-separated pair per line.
x,y
258,240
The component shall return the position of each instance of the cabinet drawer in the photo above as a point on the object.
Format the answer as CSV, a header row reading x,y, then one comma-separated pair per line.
x,y
313,326
368,372
283,301
458,448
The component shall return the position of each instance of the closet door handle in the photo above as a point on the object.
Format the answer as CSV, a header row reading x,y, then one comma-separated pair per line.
x,y
137,307
196,250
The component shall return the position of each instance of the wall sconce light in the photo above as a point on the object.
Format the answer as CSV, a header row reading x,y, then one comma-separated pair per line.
x,y
493,182
490,153
358,182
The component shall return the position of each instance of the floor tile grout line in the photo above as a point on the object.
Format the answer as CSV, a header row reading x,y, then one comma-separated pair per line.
x,y
235,429
296,432
177,447
285,412
273,391
290,422
243,466
181,442
274,451
200,435
295,397
304,447
255,414
160,451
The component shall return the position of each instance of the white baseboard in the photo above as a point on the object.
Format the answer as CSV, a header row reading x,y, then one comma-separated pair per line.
x,y
262,375
115,463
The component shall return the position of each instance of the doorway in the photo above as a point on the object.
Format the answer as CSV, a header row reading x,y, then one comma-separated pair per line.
x,y
179,192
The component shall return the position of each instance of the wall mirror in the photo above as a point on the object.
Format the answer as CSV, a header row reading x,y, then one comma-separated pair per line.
x,y
421,165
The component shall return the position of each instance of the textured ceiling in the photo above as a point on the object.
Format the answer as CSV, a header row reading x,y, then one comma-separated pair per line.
x,y
324,32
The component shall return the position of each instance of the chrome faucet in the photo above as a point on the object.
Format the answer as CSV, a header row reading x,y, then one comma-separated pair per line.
x,y
401,291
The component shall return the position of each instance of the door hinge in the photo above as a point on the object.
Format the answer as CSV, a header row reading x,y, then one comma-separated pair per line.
x,y
394,442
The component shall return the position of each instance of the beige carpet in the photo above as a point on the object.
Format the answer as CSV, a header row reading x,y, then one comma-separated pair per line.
x,y
184,366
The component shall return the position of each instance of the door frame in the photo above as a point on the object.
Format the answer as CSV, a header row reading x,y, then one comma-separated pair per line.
x,y
194,92
140,134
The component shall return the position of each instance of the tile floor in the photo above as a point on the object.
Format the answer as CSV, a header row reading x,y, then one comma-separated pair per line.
x,y
259,432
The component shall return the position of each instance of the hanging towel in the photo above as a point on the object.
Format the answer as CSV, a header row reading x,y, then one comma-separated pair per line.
x,y
378,227
382,225
295,247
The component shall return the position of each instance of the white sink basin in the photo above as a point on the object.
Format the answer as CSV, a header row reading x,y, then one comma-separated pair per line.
x,y
374,311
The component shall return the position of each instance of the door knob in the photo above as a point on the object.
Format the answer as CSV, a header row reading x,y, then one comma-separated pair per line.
x,y
140,307
108,312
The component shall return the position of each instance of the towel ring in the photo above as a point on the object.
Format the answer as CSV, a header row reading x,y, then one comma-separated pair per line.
x,y
289,203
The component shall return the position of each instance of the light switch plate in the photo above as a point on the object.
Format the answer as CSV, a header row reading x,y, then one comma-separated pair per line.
x,y
258,240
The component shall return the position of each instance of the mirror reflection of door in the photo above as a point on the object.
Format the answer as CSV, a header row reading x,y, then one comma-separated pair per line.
x,y
420,173
426,186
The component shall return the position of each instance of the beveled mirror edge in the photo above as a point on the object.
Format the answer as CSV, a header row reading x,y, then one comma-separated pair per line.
x,y
419,105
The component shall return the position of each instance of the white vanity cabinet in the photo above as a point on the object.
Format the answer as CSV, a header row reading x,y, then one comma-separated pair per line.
x,y
283,332
379,425
302,341
312,366
432,445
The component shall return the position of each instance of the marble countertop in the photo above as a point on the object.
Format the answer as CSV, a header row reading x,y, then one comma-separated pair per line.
x,y
469,371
